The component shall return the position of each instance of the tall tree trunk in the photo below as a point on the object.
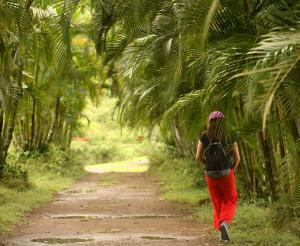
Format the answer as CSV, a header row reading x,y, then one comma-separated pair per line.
x,y
28,4
1,124
244,163
294,129
58,133
250,170
7,136
70,137
37,132
65,137
246,9
54,122
21,141
253,176
10,117
270,165
32,132
33,115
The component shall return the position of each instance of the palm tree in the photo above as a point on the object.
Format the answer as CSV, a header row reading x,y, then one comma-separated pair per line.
x,y
14,21
181,59
20,39
53,96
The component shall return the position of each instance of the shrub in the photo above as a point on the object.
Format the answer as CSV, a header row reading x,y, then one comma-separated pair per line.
x,y
14,176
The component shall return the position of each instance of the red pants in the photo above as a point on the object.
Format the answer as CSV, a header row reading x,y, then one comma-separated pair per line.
x,y
224,198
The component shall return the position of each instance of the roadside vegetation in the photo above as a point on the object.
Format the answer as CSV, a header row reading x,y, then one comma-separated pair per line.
x,y
182,181
46,77
31,180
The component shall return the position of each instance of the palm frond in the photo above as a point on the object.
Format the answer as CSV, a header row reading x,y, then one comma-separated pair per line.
x,y
215,5
276,57
61,46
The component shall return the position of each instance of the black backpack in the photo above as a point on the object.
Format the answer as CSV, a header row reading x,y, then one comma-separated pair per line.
x,y
217,160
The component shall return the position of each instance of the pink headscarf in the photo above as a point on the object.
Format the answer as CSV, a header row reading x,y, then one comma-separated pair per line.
x,y
215,115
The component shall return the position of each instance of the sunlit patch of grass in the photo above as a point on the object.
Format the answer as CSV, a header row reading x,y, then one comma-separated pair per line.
x,y
131,166
186,196
136,160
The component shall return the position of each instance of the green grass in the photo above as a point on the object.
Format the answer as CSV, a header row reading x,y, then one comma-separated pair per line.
x,y
183,181
180,179
32,180
250,226
14,204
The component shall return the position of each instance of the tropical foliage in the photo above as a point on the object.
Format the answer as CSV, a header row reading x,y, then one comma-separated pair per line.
x,y
170,62
175,61
43,83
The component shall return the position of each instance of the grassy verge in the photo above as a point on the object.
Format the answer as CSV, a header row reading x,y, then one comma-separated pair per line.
x,y
183,181
32,180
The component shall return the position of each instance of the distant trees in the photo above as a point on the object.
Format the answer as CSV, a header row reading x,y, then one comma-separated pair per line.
x,y
178,60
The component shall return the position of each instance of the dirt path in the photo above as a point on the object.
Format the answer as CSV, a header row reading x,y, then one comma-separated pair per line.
x,y
110,209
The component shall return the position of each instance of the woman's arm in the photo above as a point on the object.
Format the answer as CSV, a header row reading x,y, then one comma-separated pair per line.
x,y
236,155
199,152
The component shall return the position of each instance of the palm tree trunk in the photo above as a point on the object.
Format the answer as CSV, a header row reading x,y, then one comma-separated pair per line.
x,y
1,124
32,125
294,129
246,9
21,141
8,135
295,133
244,163
9,123
54,122
28,4
37,132
70,137
250,170
270,164
46,131
253,176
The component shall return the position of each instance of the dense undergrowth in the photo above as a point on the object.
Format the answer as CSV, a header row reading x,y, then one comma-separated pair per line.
x,y
182,180
32,178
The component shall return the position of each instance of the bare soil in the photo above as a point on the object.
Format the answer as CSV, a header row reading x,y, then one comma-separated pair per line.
x,y
111,209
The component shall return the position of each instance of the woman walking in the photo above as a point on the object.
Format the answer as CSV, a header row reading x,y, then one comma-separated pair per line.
x,y
220,155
